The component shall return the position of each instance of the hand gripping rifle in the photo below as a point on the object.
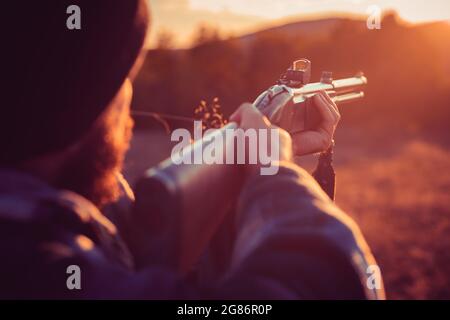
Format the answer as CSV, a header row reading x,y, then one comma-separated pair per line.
x,y
185,203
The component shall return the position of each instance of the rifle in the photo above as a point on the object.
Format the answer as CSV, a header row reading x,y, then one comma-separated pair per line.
x,y
184,204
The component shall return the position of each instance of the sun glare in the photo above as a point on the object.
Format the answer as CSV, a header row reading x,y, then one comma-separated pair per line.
x,y
183,17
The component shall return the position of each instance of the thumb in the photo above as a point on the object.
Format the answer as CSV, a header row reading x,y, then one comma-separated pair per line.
x,y
237,115
248,116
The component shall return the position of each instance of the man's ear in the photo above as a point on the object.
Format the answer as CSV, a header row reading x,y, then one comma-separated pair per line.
x,y
137,65
118,111
128,91
122,99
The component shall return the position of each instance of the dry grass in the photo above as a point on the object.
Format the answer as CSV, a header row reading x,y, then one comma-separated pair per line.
x,y
398,196
402,206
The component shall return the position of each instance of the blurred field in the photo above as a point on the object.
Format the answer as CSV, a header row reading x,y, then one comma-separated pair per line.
x,y
398,193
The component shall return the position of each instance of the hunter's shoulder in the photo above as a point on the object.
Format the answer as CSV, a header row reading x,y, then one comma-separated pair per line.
x,y
28,226
26,200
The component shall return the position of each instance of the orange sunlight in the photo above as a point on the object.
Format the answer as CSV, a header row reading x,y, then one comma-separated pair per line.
x,y
181,18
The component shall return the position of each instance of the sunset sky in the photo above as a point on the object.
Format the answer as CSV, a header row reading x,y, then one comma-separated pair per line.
x,y
182,17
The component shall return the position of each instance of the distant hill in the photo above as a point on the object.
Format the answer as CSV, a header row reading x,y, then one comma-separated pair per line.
x,y
310,28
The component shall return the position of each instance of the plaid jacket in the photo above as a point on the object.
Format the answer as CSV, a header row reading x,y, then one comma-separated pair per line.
x,y
291,242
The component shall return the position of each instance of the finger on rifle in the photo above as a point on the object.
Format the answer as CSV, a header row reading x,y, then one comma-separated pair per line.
x,y
332,104
328,117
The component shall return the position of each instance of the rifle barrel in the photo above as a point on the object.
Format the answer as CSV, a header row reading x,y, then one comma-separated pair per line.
x,y
335,85
348,97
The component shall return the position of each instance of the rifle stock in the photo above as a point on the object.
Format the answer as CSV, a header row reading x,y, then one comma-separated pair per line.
x,y
187,202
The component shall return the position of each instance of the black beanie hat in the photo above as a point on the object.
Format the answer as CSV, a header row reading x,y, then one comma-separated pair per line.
x,y
58,80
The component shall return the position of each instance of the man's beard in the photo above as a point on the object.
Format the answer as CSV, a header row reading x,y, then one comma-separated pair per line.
x,y
92,171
